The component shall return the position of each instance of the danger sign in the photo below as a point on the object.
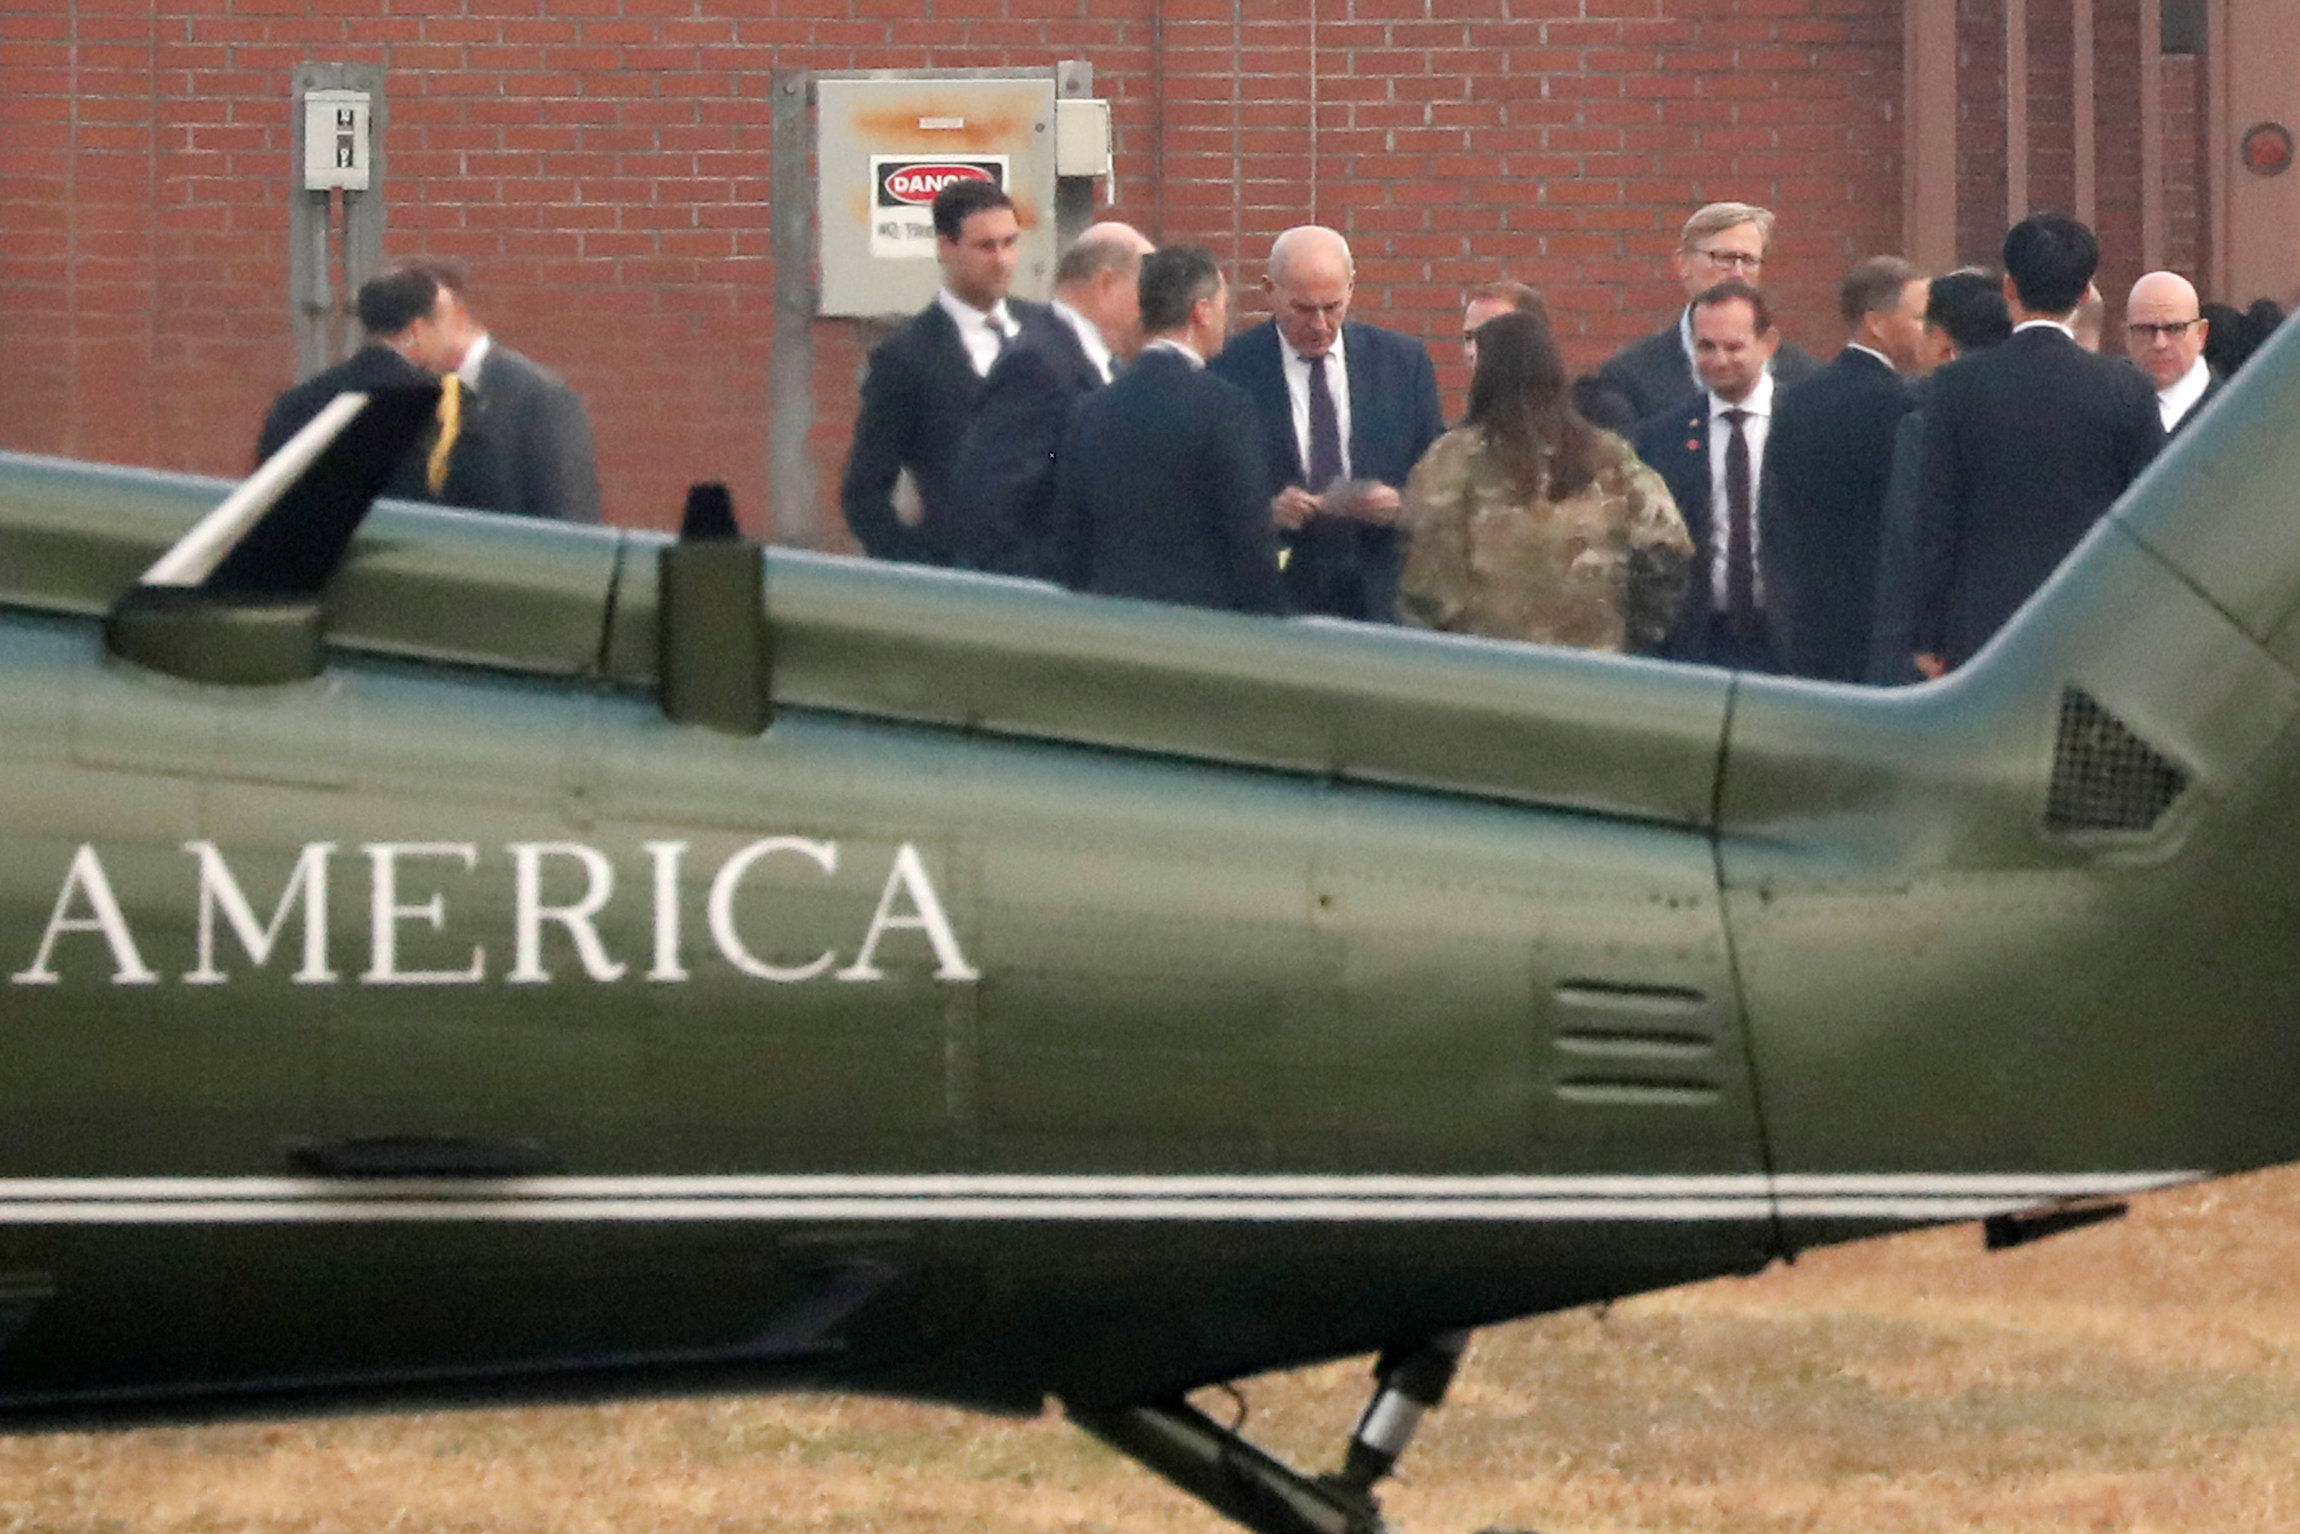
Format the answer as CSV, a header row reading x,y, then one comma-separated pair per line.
x,y
903,189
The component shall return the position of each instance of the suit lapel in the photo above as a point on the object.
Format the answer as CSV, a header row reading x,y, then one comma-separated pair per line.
x,y
948,352
1693,504
1072,351
1280,431
1697,469
1359,364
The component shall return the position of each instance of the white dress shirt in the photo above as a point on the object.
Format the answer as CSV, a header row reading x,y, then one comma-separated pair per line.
x,y
1089,336
1298,391
474,358
2186,390
1755,430
984,335
1182,349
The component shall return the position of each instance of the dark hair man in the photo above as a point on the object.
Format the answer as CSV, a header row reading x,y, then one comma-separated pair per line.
x,y
2026,445
1964,312
1723,242
922,381
1347,409
1160,492
1830,461
1710,451
999,508
535,425
411,340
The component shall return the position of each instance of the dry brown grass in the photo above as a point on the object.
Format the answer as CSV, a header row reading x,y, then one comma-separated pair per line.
x,y
2141,1377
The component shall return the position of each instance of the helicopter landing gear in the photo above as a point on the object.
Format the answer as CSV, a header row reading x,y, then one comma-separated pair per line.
x,y
1238,1480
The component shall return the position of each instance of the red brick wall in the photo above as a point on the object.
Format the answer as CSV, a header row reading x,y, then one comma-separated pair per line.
x,y
602,168
2052,137
2187,247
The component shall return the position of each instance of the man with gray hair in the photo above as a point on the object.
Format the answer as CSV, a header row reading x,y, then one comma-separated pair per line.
x,y
1346,410
1723,242
999,504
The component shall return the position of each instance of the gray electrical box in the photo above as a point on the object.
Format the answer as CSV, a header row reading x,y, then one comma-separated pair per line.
x,y
337,152
884,147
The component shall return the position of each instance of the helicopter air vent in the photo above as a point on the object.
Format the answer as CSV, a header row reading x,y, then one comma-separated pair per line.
x,y
2104,777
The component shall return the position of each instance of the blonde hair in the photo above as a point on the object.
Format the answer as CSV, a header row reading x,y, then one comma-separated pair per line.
x,y
1721,216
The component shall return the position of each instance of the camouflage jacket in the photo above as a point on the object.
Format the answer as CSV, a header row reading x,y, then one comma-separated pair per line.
x,y
1605,569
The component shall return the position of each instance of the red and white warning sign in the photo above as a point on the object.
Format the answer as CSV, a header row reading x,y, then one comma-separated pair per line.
x,y
903,189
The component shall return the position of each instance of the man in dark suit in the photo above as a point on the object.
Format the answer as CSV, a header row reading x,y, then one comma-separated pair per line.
x,y
1347,409
922,381
998,507
1160,491
1827,468
1710,451
2025,446
1964,313
1725,241
411,340
2164,333
534,423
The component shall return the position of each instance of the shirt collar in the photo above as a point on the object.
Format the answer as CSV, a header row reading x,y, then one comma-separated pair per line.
x,y
1180,348
967,317
1759,402
1089,337
1871,351
474,358
2186,390
1340,364
2065,329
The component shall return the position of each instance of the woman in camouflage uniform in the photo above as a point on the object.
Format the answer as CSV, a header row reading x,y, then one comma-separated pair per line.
x,y
1526,522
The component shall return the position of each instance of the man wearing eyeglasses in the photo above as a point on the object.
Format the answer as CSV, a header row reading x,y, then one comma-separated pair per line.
x,y
2164,333
1724,242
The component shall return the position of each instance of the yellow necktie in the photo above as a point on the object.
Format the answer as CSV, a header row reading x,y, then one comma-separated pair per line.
x,y
450,427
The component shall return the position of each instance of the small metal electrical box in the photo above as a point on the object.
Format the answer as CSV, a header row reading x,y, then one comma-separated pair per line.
x,y
338,149
1082,138
884,147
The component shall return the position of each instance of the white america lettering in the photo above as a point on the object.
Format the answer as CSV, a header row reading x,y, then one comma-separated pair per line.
x,y
412,898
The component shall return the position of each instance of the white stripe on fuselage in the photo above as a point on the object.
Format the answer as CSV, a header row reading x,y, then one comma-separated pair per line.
x,y
1892,1196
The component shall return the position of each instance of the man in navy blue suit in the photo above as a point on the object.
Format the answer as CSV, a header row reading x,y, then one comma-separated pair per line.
x,y
1710,450
1964,313
1828,466
1159,493
998,506
1346,411
2026,445
923,380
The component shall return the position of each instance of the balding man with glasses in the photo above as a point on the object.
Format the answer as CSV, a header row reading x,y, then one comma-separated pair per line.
x,y
2164,334
1724,242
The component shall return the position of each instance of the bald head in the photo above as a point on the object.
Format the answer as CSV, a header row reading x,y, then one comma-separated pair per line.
x,y
1099,276
1309,248
2163,330
1102,247
1309,286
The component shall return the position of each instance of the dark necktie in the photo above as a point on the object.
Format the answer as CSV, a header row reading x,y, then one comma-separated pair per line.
x,y
1325,465
1740,533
